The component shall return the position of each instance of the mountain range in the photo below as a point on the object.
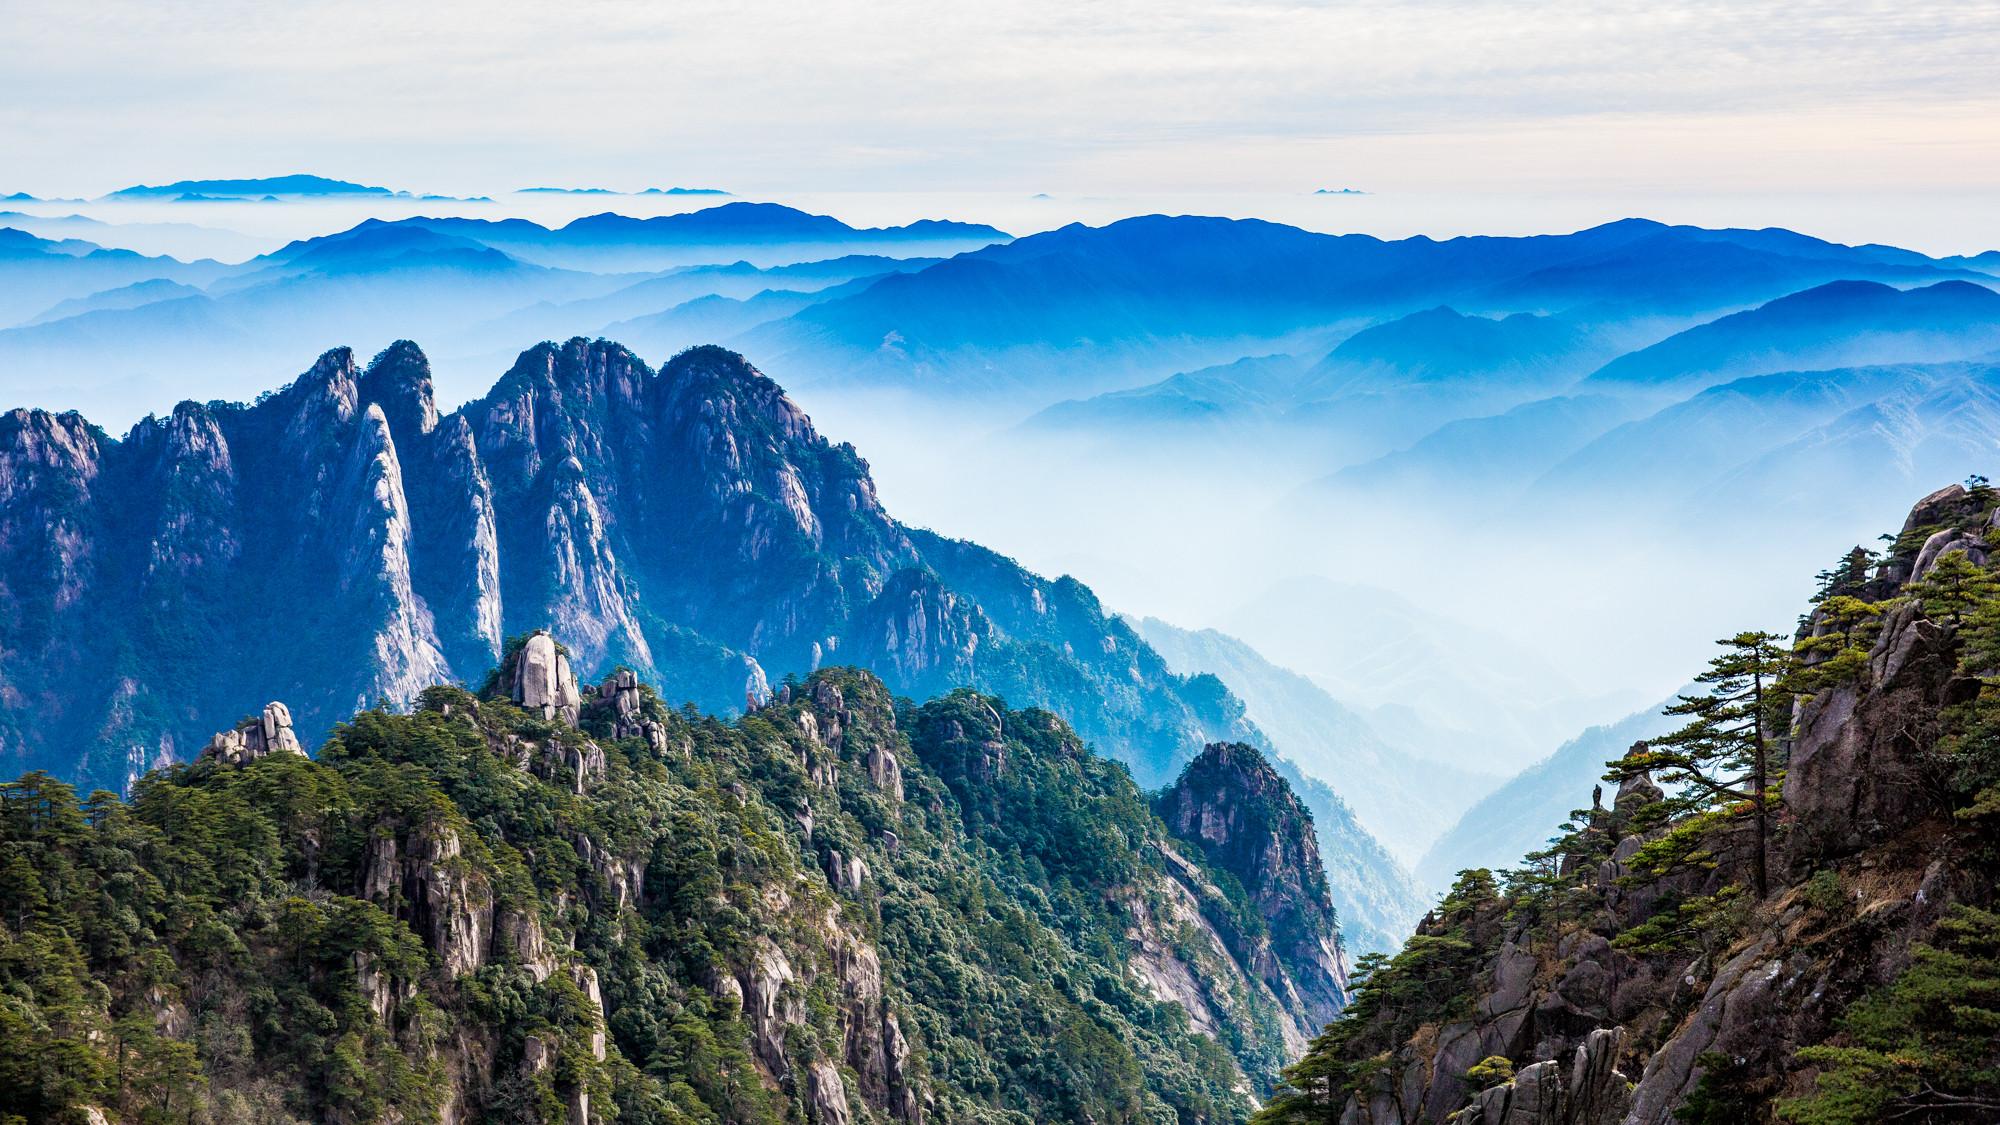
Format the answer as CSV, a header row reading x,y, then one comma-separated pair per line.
x,y
1634,373
342,541
763,233
1072,310
1054,316
467,282
296,185
1839,324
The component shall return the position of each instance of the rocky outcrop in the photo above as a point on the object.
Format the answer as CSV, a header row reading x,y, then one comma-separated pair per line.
x,y
621,697
827,1095
1248,822
251,739
768,1004
541,682
1657,981
1925,526
1590,1090
921,632
419,874
1855,775
886,772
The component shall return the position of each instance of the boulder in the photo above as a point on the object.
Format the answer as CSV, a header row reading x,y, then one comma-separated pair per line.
x,y
1638,789
771,1004
620,695
267,733
1598,1093
541,680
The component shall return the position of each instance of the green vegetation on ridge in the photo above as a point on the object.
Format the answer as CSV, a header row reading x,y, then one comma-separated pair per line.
x,y
922,912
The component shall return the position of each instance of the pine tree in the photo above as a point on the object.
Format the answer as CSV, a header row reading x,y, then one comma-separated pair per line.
x,y
1925,1048
1727,754
1953,588
1848,577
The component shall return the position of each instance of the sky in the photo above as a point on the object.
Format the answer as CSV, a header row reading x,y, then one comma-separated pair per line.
x,y
1033,95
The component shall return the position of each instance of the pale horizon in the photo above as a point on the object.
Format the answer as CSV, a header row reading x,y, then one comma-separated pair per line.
x,y
767,99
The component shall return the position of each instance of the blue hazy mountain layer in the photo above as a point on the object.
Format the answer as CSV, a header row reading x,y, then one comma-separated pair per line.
x,y
1518,445
300,185
613,191
766,233
36,273
1065,314
376,281
1403,797
1839,324
1874,431
124,297
1248,387
1443,345
1081,308
660,296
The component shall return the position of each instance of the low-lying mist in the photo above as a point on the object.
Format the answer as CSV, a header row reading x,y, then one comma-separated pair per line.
x,y
1505,628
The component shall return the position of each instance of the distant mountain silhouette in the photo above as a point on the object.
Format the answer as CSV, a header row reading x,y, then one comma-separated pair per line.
x,y
300,185
1840,324
36,273
1480,453
765,234
1521,815
123,297
1442,345
1250,387
1405,799
659,295
1852,437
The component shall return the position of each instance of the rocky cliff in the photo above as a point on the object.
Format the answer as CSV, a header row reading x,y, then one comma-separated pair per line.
x,y
1251,826
1634,975
560,901
341,542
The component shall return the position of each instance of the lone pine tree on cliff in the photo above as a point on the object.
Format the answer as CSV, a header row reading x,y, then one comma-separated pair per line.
x,y
1727,754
